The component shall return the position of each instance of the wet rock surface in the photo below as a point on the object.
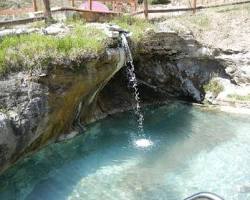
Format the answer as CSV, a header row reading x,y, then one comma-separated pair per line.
x,y
37,107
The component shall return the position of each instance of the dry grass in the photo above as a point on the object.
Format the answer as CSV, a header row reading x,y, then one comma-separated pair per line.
x,y
224,27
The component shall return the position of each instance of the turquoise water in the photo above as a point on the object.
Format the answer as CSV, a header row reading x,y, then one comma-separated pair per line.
x,y
193,151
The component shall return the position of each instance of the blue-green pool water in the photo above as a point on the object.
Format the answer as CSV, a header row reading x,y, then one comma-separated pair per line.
x,y
193,151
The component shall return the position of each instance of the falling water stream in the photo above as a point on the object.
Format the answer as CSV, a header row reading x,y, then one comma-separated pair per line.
x,y
133,83
140,140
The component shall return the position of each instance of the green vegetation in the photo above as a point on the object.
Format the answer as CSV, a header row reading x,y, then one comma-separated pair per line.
x,y
75,19
36,50
7,4
213,86
3,5
38,24
239,97
15,4
135,25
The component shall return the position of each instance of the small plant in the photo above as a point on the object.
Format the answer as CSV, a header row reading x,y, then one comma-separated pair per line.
x,y
213,86
239,97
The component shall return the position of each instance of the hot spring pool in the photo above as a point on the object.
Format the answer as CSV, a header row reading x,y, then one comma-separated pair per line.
x,y
191,151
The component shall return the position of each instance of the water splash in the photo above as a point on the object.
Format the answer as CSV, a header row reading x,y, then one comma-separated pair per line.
x,y
133,83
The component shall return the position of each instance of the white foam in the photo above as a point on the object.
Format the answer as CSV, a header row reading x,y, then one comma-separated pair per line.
x,y
143,143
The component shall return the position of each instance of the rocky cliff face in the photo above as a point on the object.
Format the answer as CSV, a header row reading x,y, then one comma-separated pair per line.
x,y
37,107
177,65
168,66
24,103
172,66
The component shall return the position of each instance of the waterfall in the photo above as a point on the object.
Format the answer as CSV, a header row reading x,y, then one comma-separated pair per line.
x,y
140,140
133,83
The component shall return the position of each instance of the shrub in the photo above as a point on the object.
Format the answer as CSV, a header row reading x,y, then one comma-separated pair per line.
x,y
213,86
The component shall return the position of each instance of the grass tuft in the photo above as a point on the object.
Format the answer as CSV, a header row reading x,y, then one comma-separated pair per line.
x,y
36,50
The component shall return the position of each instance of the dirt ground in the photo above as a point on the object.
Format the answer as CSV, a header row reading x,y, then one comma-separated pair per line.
x,y
224,27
